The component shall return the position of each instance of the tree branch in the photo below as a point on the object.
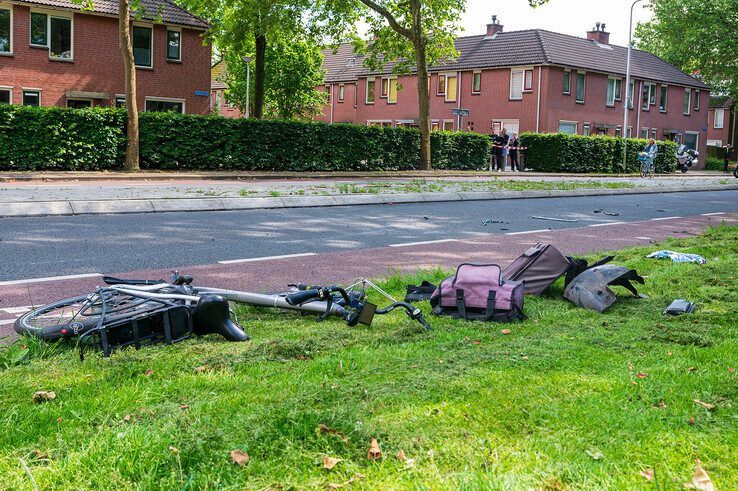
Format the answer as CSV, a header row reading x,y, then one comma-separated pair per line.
x,y
403,31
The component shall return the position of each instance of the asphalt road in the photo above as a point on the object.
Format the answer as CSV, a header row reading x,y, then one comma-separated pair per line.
x,y
69,245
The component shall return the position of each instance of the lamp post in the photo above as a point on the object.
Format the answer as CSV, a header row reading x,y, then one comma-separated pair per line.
x,y
627,98
248,60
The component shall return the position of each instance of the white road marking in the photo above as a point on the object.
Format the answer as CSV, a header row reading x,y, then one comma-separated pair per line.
x,y
529,231
713,214
607,223
49,278
17,310
407,244
664,218
6,322
644,238
266,258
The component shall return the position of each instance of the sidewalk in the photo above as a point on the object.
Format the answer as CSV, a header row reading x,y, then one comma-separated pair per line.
x,y
38,194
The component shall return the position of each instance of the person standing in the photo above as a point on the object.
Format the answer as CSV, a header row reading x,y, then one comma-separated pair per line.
x,y
727,151
493,152
500,149
513,145
651,150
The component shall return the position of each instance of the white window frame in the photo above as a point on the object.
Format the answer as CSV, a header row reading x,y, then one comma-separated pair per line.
x,y
382,95
697,137
60,15
389,90
646,131
575,123
586,129
631,94
121,97
611,81
584,88
166,40
475,74
443,124
688,100
525,79
566,90
438,84
9,6
166,99
9,90
661,99
715,119
379,122
31,89
151,44
341,92
697,94
374,95
514,95
651,92
48,27
455,94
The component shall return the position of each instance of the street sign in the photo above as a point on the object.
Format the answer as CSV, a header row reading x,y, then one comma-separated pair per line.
x,y
460,112
202,93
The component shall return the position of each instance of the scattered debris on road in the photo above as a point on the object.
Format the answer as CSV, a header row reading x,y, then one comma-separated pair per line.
x,y
556,219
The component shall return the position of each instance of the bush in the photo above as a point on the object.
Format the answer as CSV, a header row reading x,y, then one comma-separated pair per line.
x,y
558,152
68,139
714,163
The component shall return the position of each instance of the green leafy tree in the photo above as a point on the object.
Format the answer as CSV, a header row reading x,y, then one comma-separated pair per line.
x,y
414,34
293,68
697,36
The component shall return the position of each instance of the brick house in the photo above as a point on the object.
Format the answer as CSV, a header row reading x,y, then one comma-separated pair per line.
x,y
54,54
721,123
218,103
531,80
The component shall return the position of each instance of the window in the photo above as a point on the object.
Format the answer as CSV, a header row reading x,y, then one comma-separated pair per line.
x,y
581,81
528,85
441,88
568,127
60,38
618,131
477,83
120,101
435,126
392,91
451,88
630,132
644,133
39,29
31,98
687,100
79,103
162,105
719,120
664,97
385,88
691,139
516,84
341,92
696,100
5,96
371,90
142,39
649,96
174,49
567,82
586,129
328,93
448,125
631,94
653,133
6,30
614,89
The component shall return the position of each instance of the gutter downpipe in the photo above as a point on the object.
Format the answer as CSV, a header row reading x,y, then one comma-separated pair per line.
x,y
627,88
640,106
458,99
538,108
333,102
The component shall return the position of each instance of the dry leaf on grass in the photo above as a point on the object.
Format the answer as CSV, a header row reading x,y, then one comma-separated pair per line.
x,y
325,429
184,406
731,369
401,455
43,396
700,479
174,450
39,455
333,485
706,405
239,457
691,369
202,368
149,372
648,474
506,331
641,375
661,404
374,453
127,418
690,421
330,462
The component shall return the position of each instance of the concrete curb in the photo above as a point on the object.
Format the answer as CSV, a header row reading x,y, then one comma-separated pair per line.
x,y
96,207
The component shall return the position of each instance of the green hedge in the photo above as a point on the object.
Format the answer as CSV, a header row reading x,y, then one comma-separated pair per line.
x,y
714,163
68,139
557,152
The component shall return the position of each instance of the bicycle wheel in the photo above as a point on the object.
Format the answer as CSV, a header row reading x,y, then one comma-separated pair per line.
x,y
75,316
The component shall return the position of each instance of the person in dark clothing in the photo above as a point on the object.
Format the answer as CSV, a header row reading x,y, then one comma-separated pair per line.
x,y
514,144
728,150
492,154
502,139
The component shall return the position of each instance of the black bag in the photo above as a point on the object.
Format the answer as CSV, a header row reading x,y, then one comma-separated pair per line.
x,y
538,267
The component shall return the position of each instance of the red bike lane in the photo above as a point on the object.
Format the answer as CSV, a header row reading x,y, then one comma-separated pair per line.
x,y
344,267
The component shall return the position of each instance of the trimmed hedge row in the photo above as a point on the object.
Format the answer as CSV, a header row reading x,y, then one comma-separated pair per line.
x,y
557,152
67,139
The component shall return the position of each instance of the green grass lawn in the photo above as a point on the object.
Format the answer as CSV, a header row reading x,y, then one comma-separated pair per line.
x,y
569,399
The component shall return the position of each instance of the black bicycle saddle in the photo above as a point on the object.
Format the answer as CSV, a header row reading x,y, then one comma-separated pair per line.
x,y
212,316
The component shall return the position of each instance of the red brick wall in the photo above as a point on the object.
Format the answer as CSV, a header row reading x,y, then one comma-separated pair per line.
x,y
719,134
98,65
225,109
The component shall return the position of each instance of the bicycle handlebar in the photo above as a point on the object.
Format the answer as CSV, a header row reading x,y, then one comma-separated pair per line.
x,y
302,296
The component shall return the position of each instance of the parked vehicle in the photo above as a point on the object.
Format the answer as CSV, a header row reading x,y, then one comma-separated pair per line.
x,y
686,158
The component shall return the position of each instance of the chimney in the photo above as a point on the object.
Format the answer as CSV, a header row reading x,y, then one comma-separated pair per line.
x,y
599,34
494,28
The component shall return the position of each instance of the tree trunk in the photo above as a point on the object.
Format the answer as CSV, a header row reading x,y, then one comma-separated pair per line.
x,y
124,27
423,91
261,45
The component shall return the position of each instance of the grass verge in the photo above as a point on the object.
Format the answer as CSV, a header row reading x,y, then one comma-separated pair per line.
x,y
570,399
